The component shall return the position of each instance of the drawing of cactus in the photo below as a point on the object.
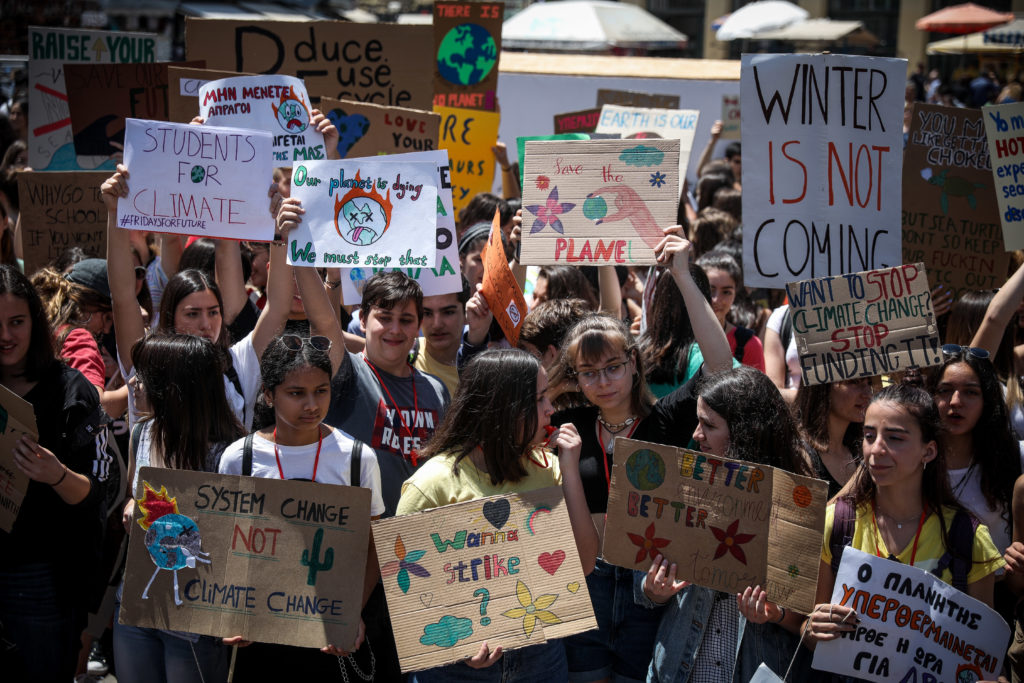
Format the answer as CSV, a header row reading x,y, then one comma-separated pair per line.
x,y
312,560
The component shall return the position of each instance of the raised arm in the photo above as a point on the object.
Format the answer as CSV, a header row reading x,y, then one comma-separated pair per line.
x,y
128,324
279,286
611,292
705,156
1000,312
230,278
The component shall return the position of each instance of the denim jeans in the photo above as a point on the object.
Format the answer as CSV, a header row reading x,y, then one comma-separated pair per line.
x,y
149,655
542,663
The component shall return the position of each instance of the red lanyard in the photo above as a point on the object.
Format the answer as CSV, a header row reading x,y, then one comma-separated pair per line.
x,y
415,404
604,453
917,536
316,462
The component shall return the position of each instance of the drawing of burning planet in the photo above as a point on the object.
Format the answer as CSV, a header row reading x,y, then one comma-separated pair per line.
x,y
173,540
360,217
291,114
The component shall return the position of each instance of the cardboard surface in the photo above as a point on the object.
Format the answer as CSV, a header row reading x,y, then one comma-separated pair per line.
x,y
583,121
197,180
631,98
183,90
272,561
467,49
468,135
502,569
379,63
1004,128
598,201
864,324
365,212
17,418
637,123
727,524
950,214
730,117
501,291
913,626
366,130
821,192
61,209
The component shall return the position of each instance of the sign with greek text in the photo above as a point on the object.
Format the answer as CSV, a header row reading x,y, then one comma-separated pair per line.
x,y
269,560
446,275
643,124
197,180
467,47
50,140
17,419
864,324
824,133
380,63
502,569
366,130
500,289
468,135
183,90
950,213
598,202
630,98
727,524
365,212
912,627
730,117
276,104
583,121
1004,128
59,210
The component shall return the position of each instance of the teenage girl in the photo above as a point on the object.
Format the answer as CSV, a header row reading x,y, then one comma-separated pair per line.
x,y
726,279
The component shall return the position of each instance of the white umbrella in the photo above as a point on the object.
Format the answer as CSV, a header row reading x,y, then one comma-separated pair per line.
x,y
594,25
764,15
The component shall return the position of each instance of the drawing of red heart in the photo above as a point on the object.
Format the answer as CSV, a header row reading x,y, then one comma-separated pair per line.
x,y
550,562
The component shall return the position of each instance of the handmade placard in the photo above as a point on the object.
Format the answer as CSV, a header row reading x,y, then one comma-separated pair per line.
x,y
183,90
366,130
823,132
864,324
637,123
50,146
950,213
61,209
1004,128
468,135
598,201
583,121
446,275
269,560
500,289
17,418
502,569
197,180
731,117
365,212
467,47
630,98
380,63
911,626
727,524
276,104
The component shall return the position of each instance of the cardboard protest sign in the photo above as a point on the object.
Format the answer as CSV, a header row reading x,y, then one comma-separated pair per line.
x,y
269,560
727,524
730,117
379,63
365,212
183,90
501,291
50,146
502,569
630,98
823,132
911,626
598,201
467,47
61,209
583,121
446,275
197,180
635,123
864,324
102,96
17,418
366,130
1004,128
276,104
468,135
950,213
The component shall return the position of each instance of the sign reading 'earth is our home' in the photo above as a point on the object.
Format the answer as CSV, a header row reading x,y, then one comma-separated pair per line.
x,y
467,44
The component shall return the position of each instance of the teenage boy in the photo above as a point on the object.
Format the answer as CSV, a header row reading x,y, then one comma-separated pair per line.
x,y
446,343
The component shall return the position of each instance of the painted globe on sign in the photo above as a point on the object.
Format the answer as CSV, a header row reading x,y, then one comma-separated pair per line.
x,y
645,469
467,55
171,540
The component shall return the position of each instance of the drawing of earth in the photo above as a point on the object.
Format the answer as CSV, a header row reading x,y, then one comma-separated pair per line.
x,y
467,54
645,470
366,221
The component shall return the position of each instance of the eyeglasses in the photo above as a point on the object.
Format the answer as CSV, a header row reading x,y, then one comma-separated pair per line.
x,y
140,273
294,342
613,372
954,350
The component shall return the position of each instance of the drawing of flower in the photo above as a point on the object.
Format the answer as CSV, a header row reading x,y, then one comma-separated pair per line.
x,y
657,179
405,564
548,213
542,182
730,541
648,543
531,609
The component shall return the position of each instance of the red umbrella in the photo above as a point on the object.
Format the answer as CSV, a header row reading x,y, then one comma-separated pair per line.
x,y
966,18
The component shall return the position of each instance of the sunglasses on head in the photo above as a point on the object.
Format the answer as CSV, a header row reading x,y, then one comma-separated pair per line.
x,y
954,350
294,342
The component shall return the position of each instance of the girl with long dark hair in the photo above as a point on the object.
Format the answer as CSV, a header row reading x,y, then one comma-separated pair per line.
x,y
831,416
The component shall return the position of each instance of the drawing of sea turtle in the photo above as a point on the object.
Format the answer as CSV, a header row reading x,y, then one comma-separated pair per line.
x,y
173,540
952,186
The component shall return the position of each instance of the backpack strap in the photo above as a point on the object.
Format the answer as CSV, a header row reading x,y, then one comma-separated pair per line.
x,y
355,463
136,435
786,330
247,455
843,520
232,376
743,335
959,556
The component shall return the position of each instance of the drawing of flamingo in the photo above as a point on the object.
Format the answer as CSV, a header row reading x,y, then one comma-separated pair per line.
x,y
173,540
630,206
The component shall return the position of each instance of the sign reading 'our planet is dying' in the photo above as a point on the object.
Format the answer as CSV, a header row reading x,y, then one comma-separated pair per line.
x,y
467,44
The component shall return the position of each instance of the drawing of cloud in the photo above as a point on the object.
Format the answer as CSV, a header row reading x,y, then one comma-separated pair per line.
x,y
447,632
642,156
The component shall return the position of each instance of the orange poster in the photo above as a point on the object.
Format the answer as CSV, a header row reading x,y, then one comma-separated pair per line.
x,y
501,290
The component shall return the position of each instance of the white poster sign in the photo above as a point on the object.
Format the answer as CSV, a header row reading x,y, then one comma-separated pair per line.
x,y
640,123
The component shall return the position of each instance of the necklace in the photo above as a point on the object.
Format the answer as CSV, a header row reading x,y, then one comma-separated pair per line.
x,y
616,428
316,461
413,455
917,536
